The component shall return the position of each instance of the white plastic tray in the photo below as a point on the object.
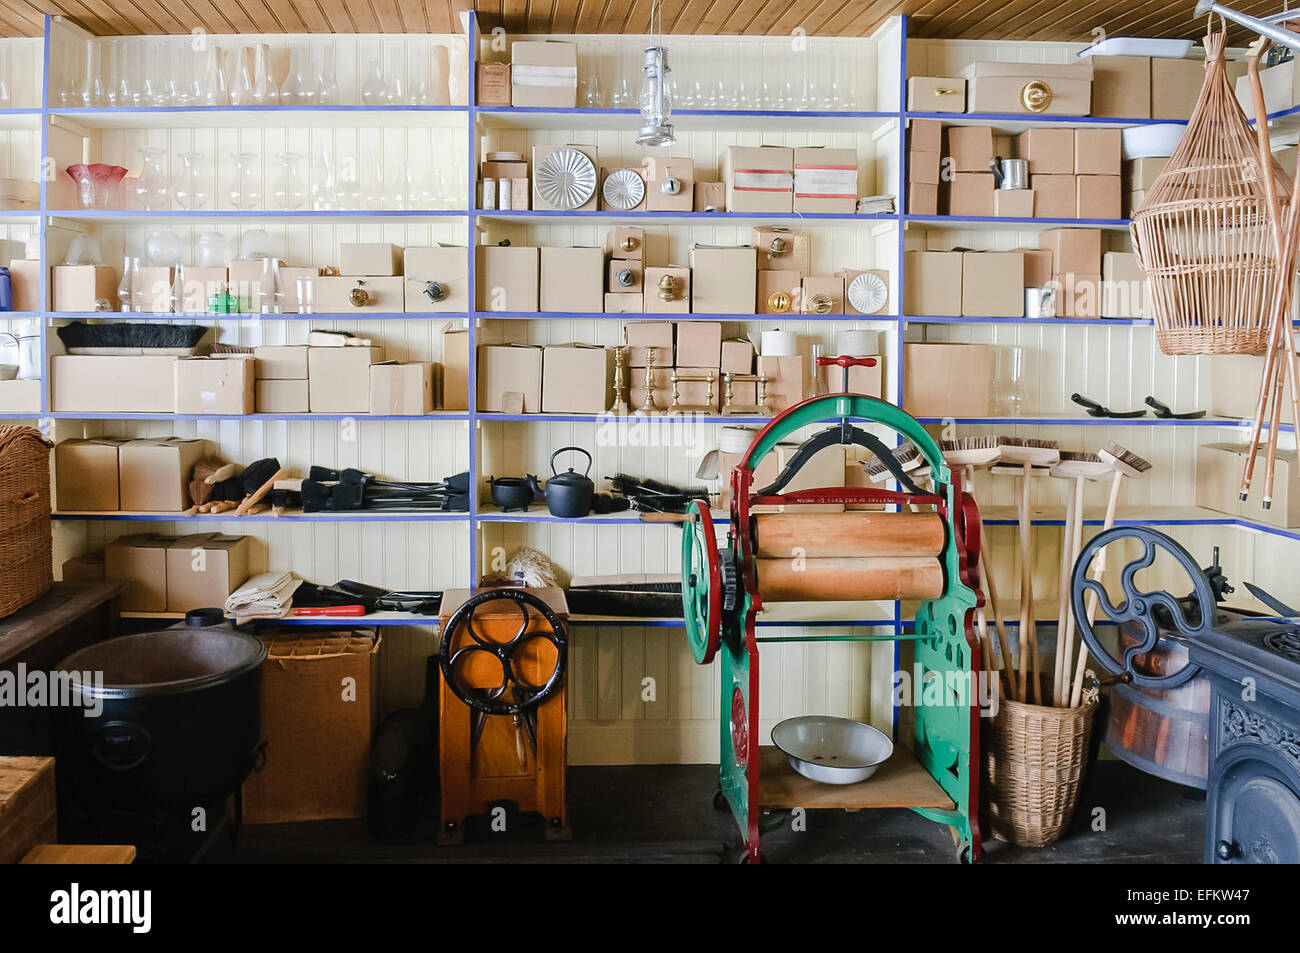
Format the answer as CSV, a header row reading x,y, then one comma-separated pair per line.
x,y
1139,46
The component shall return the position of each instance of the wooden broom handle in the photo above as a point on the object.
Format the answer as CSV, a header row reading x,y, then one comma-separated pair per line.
x,y
1098,567
1067,664
990,587
252,499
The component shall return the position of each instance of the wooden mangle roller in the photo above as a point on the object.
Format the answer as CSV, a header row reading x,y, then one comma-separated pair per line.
x,y
804,557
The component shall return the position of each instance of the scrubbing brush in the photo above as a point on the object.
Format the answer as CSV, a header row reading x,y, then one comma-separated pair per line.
x,y
81,338
971,451
906,456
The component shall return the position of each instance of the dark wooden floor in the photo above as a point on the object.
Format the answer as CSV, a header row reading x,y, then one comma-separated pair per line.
x,y
664,814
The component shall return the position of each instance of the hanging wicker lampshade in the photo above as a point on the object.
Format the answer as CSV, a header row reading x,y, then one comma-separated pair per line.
x,y
1202,234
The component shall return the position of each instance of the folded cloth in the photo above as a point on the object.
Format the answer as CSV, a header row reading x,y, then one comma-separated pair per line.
x,y
265,596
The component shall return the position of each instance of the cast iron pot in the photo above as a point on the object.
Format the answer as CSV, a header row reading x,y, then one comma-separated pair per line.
x,y
568,495
181,723
511,493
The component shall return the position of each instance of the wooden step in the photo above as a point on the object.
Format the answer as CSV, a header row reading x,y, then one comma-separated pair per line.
x,y
27,806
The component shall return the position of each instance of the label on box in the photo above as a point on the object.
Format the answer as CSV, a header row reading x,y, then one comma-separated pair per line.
x,y
825,181
552,76
762,180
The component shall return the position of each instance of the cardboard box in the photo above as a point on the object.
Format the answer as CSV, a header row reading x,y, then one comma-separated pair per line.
x,y
540,152
25,284
78,287
923,168
1098,196
818,290
737,356
1076,250
786,381
1121,86
1175,87
625,276
85,474
970,148
1218,478
624,303
455,370
402,389
625,242
781,249
200,284
1013,203
723,279
970,194
204,569
318,747
281,362
141,562
577,379
1124,287
509,379
672,300
759,178
1049,151
699,344
924,135
573,280
333,294
933,285
20,396
788,283
825,180
154,473
132,384
764,474
824,468
936,94
862,380
506,277
445,266
997,87
670,183
85,568
282,397
605,174
993,284
338,378
1140,174
370,259
1078,295
948,380
207,385
1038,266
662,378
245,283
543,73
1281,86
641,335
710,196
1097,151
495,169
1055,196
492,84
923,199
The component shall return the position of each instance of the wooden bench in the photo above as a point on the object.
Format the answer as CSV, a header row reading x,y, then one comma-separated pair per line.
x,y
79,854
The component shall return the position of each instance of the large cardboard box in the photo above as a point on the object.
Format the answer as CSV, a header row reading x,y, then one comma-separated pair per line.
x,y
509,379
338,378
1055,196
540,152
998,87
1098,196
281,362
670,183
204,569
543,73
781,248
1121,87
825,180
141,562
88,567
1175,87
641,335
319,705
1049,151
759,178
85,474
1076,250
577,379
282,397
78,287
993,284
1218,478
948,380
970,148
1140,174
970,194
398,390
1097,152
455,370
447,268
786,381
506,277
207,385
333,294
677,299
103,383
154,473
370,259
1124,287
573,280
933,285
699,344
723,279
923,168
936,94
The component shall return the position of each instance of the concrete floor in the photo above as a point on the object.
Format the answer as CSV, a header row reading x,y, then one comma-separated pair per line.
x,y
664,814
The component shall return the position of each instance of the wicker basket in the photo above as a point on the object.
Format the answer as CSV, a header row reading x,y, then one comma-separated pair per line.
x,y
26,559
1034,760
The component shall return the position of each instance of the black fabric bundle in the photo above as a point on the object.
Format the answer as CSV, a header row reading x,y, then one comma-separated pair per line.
x,y
655,496
350,489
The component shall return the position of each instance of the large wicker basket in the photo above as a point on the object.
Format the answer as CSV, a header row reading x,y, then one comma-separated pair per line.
x,y
26,561
1034,761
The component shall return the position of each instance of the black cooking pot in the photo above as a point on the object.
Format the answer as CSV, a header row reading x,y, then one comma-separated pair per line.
x,y
568,495
181,722
511,493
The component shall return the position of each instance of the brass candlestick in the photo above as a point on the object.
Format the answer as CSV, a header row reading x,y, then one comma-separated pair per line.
x,y
648,405
620,407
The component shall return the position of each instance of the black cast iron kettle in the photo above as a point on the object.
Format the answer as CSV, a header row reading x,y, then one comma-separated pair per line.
x,y
569,494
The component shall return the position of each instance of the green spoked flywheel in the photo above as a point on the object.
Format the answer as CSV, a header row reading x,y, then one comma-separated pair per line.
x,y
701,583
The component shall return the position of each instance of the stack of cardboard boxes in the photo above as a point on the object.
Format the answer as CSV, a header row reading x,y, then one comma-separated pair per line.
x,y
924,161
110,474
173,574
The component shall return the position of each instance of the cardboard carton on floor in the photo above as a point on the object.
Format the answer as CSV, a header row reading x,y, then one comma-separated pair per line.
x,y
215,386
506,277
933,286
154,473
723,279
1218,478
317,744
141,562
204,569
402,389
85,474
948,380
577,379
101,383
338,378
509,379
282,397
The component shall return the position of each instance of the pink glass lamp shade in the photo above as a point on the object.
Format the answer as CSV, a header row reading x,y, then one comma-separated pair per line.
x,y
79,172
108,184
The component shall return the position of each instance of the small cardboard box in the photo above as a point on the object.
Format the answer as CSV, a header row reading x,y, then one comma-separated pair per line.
x,y
333,294
737,356
85,568
207,385
283,397
1121,86
202,283
933,286
662,377
1013,203
925,135
948,380
625,276
970,194
1038,266
133,384
281,362
543,73
699,344
455,370
444,264
998,87
1055,196
670,184
1098,196
771,283
204,569
572,280
338,378
786,383
78,287
141,562
493,169
970,148
1049,151
923,168
818,288
825,180
993,284
25,284
492,84
623,302
641,335
1175,87
318,749
673,300
1076,250
625,242
577,379
1078,295
1124,287
398,390
639,206
506,277
710,196
151,289
154,473
782,249
540,152
509,379
1096,152
370,259
1218,478
923,199
724,279
936,94
85,474
759,178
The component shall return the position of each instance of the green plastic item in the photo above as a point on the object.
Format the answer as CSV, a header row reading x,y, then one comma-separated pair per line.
x,y
223,302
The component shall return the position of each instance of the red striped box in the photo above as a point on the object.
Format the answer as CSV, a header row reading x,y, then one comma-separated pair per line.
x,y
759,179
825,180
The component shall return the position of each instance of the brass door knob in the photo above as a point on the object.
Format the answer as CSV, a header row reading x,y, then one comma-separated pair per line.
x,y
667,288
1036,96
625,277
629,243
778,247
359,297
435,290
821,303
779,302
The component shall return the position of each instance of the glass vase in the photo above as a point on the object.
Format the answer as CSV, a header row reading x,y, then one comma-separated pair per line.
x,y
191,193
245,191
210,81
108,184
327,82
125,287
324,190
264,92
151,188
79,173
92,81
290,191
299,87
374,92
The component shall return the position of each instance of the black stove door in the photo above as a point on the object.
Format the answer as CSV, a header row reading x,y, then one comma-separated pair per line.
x,y
1256,817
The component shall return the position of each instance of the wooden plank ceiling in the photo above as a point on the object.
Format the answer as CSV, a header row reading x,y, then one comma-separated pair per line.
x,y
1066,20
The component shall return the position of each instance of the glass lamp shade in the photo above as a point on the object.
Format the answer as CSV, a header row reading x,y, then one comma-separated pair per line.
x,y
656,100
